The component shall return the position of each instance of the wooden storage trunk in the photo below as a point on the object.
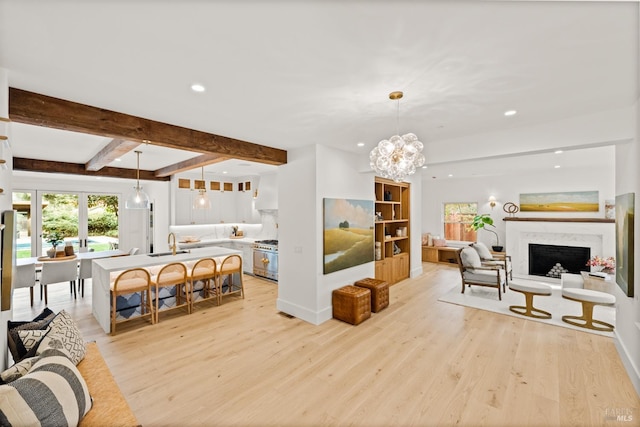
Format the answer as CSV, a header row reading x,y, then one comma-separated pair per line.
x,y
379,292
351,304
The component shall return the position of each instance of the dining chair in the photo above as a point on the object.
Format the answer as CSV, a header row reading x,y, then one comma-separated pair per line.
x,y
205,270
84,272
132,281
59,271
229,266
173,275
25,278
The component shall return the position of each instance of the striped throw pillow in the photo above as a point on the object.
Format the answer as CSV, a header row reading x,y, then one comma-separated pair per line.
x,y
52,393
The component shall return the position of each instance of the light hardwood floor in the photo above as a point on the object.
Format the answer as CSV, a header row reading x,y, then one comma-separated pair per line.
x,y
419,362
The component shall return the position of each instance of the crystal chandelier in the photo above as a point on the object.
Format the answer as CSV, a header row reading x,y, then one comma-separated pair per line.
x,y
138,199
399,156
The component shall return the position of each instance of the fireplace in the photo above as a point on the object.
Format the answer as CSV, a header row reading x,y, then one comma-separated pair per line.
x,y
553,260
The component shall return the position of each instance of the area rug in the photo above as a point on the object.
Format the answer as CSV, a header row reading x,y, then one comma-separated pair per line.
x,y
484,298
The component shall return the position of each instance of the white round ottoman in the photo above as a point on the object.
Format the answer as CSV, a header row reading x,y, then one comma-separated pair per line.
x,y
588,298
529,289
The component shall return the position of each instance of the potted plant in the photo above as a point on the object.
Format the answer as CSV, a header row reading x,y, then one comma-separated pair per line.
x,y
483,222
54,239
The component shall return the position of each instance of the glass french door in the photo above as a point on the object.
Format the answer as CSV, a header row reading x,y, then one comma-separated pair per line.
x,y
87,221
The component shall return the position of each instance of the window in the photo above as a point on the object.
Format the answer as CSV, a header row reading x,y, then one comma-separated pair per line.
x,y
457,218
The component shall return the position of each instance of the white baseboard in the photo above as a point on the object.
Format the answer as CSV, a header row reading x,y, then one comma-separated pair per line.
x,y
632,370
303,313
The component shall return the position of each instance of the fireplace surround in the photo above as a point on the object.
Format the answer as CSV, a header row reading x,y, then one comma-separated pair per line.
x,y
596,234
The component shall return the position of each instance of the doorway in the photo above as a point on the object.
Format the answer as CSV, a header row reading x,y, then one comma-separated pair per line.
x,y
87,221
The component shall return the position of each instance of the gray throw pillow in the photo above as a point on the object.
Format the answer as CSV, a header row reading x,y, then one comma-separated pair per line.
x,y
470,257
482,249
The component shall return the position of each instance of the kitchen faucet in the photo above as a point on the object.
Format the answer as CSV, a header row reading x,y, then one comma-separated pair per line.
x,y
172,238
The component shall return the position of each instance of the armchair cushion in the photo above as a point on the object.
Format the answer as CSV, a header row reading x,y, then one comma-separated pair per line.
x,y
482,250
489,276
470,258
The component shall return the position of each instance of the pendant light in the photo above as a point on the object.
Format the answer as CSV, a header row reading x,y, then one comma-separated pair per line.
x,y
399,156
202,200
138,199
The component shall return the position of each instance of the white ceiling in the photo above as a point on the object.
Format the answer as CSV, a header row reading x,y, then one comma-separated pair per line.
x,y
287,74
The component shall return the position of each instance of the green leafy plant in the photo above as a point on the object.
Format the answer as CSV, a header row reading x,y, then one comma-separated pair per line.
x,y
483,222
53,238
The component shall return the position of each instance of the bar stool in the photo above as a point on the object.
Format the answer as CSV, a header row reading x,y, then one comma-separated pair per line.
x,y
129,282
228,267
173,275
205,270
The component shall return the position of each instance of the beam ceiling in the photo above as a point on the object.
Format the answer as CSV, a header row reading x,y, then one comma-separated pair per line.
x,y
41,110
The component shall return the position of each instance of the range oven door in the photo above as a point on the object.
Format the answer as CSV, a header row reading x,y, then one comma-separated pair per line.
x,y
265,263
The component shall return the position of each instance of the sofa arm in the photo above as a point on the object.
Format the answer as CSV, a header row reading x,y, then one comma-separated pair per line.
x,y
109,405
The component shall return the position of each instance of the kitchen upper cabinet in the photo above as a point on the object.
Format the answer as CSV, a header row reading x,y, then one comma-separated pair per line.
x,y
227,205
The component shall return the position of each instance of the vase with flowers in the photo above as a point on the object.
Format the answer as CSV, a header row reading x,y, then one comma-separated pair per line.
x,y
598,263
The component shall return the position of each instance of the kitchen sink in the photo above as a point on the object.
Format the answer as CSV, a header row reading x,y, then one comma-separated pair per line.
x,y
157,254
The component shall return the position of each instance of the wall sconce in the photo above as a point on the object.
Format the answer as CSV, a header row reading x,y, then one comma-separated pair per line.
x,y
255,194
492,201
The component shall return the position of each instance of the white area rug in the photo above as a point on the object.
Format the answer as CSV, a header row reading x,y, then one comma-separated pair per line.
x,y
487,299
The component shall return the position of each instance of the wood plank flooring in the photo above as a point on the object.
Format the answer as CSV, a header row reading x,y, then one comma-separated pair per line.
x,y
419,362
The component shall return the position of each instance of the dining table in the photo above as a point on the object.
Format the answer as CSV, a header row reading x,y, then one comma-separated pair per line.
x,y
79,256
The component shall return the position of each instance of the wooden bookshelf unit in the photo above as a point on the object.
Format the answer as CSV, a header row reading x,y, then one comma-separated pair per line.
x,y
392,230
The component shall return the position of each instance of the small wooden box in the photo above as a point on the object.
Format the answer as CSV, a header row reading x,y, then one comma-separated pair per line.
x,y
379,292
351,304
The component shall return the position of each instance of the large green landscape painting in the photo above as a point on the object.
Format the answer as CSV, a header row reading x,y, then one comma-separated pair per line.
x,y
348,233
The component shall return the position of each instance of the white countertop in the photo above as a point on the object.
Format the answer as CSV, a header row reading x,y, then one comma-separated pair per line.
x,y
144,260
213,242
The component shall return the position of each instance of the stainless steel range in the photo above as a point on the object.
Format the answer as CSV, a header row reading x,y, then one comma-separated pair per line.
x,y
265,259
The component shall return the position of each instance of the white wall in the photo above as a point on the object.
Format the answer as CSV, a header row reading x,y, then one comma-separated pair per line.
x,y
627,332
312,174
435,192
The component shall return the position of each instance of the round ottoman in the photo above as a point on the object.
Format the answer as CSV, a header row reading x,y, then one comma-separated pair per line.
x,y
529,289
588,299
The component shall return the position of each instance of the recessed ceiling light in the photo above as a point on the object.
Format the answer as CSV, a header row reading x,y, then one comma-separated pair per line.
x,y
424,167
197,87
450,175
557,166
558,152
510,113
360,144
224,171
118,159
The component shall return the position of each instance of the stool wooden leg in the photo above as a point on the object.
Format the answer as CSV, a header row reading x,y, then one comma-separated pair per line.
x,y
528,309
587,320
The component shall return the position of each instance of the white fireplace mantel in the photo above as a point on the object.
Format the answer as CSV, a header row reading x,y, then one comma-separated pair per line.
x,y
594,233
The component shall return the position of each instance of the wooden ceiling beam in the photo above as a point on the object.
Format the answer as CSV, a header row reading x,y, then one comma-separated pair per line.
x,y
35,109
195,162
114,150
46,166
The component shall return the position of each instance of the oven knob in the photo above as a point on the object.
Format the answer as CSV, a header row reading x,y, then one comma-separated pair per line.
x,y
265,261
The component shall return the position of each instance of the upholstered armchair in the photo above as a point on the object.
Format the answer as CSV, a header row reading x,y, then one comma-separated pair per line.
x,y
491,259
474,273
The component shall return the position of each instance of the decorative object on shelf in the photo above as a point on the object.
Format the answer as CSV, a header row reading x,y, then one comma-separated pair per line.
x,y
625,213
510,208
387,196
138,199
202,201
396,249
378,251
234,230
492,201
482,222
567,201
348,233
399,156
379,216
610,209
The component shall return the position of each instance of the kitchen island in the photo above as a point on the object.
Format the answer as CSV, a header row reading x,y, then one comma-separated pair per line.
x,y
107,269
